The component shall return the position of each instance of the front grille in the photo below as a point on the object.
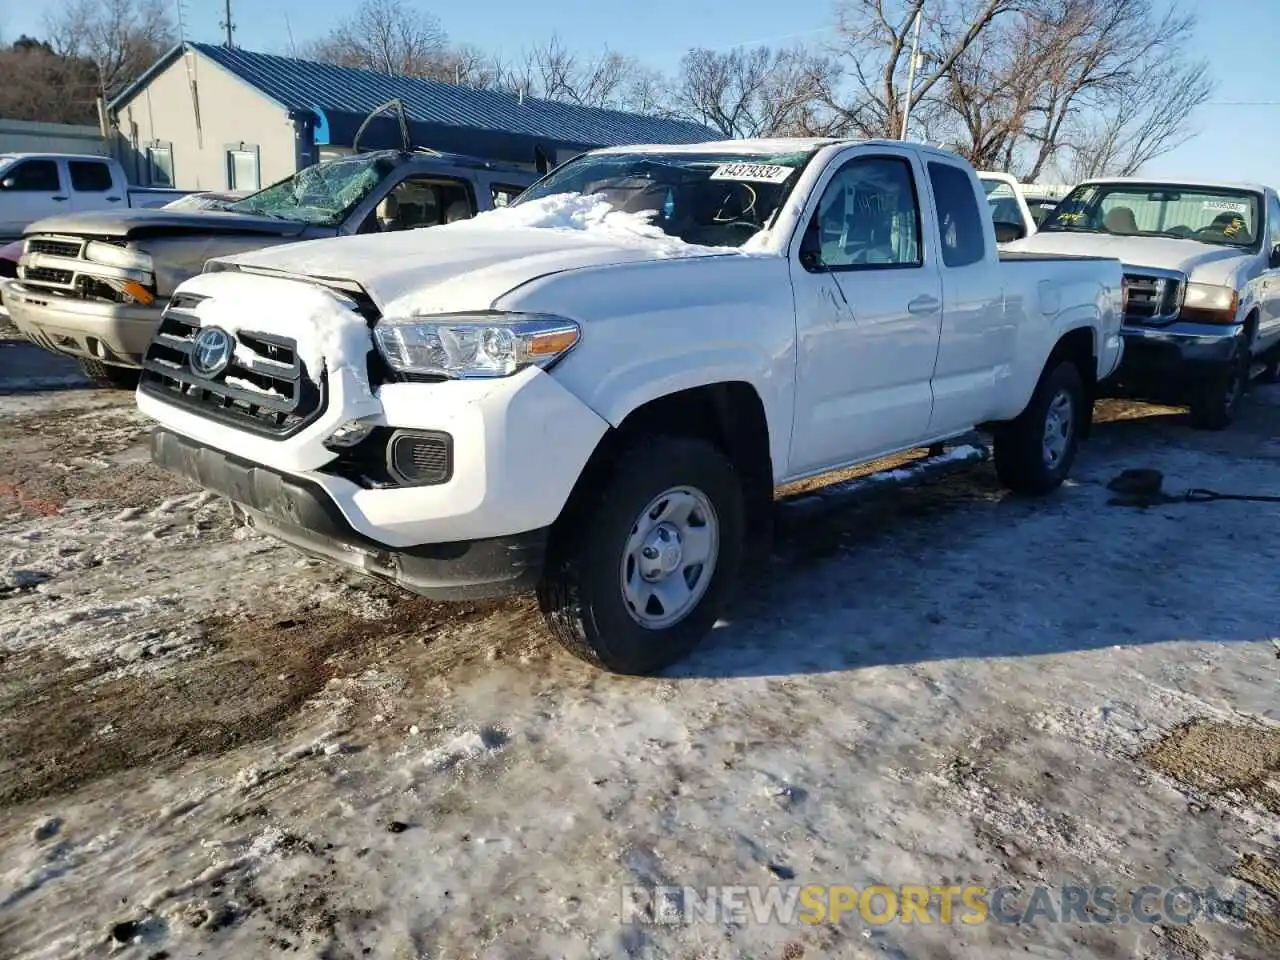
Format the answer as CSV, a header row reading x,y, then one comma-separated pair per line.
x,y
56,278
1151,298
55,248
266,388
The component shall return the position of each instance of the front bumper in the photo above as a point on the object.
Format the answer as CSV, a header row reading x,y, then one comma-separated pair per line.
x,y
87,329
1166,363
299,512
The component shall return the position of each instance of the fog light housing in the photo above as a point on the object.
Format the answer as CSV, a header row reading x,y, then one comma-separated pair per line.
x,y
350,433
420,457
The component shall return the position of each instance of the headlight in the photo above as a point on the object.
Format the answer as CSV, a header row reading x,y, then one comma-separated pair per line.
x,y
474,344
114,256
1210,302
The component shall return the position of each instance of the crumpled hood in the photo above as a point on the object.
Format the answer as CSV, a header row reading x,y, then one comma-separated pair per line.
x,y
135,222
470,264
1202,262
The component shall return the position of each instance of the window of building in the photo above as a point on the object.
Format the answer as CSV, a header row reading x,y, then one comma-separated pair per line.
x,y
160,164
89,176
959,222
242,167
36,176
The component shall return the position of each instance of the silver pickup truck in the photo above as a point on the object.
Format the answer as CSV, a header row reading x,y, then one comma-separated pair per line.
x,y
93,286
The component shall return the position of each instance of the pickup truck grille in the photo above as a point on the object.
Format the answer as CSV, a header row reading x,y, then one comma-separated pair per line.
x,y
56,278
1152,299
66,271
265,389
52,247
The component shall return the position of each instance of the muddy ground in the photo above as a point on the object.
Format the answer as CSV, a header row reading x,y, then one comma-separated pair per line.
x,y
210,746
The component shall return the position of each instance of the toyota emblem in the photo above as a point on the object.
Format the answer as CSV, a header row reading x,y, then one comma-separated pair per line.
x,y
211,351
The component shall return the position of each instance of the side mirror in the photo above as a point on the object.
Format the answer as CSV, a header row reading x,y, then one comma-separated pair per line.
x,y
811,247
1275,257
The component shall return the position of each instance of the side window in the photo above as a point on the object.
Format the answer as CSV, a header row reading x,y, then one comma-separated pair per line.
x,y
504,194
424,201
959,222
89,176
1273,220
868,215
35,176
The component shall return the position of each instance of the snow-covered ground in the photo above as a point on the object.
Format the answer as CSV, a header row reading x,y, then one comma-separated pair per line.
x,y
210,747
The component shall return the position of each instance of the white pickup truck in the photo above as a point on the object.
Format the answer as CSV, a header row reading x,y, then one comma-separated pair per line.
x,y
1202,271
34,186
595,391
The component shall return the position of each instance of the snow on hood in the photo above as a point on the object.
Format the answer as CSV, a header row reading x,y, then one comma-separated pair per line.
x,y
324,324
1202,262
469,264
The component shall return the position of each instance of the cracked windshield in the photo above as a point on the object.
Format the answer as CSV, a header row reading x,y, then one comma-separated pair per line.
x,y
323,194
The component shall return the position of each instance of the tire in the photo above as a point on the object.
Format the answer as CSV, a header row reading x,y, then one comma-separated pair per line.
x,y
109,376
1026,462
584,589
1216,401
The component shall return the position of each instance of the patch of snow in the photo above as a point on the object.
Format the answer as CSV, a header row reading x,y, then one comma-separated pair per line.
x,y
324,324
589,214
249,386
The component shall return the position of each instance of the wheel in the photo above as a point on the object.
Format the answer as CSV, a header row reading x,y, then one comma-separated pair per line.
x,y
645,566
1216,399
1033,454
107,375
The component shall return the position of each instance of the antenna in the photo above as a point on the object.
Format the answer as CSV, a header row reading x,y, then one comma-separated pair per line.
x,y
293,48
227,24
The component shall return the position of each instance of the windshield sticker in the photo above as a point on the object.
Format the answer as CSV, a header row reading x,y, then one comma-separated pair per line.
x,y
1231,205
754,172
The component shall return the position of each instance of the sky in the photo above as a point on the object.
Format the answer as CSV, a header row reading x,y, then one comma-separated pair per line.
x,y
1239,131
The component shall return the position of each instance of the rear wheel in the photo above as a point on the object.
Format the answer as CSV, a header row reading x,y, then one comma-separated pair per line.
x,y
107,375
1033,454
1217,398
649,562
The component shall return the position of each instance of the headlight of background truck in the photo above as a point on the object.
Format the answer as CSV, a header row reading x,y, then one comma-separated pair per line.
x,y
1210,303
115,256
471,345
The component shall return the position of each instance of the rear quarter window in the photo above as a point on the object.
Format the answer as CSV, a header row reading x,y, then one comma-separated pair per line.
x,y
959,219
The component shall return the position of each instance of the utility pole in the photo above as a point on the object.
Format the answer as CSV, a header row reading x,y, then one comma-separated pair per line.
x,y
911,72
227,24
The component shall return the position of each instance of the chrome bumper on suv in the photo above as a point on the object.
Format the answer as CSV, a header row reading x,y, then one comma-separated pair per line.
x,y
91,329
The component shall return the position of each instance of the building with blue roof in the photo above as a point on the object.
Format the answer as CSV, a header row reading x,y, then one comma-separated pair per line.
x,y
210,117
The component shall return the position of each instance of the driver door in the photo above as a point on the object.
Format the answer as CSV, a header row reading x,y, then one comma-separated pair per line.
x,y
868,315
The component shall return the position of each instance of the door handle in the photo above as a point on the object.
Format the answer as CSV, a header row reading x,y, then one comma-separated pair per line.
x,y
59,199
113,199
925,304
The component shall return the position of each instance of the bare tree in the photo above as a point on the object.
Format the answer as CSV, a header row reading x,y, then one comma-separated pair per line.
x,y
390,37
875,48
551,71
752,92
40,85
121,39
1120,89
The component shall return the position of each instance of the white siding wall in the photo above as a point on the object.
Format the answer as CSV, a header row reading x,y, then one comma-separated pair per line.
x,y
231,112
